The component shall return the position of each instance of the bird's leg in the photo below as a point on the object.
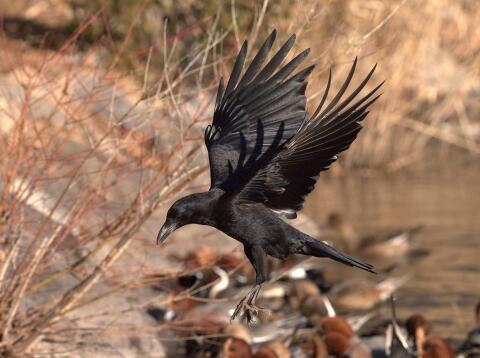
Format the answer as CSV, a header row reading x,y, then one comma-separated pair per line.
x,y
247,305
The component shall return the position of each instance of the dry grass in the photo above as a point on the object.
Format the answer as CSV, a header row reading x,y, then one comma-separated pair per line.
x,y
89,156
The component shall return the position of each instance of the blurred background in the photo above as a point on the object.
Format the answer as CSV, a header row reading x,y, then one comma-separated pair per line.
x,y
102,110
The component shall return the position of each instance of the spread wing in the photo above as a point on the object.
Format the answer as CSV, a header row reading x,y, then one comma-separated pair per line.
x,y
255,114
283,182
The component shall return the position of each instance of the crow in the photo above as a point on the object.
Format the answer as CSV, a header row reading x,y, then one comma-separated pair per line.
x,y
266,154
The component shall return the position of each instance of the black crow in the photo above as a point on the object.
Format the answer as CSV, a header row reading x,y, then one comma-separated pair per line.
x,y
266,153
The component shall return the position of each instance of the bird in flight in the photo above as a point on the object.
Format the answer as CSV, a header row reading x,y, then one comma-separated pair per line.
x,y
266,154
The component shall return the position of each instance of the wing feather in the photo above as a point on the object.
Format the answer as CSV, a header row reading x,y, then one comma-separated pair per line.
x,y
237,69
257,112
262,146
283,182
258,60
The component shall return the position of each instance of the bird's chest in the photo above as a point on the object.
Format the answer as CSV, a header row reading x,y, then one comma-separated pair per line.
x,y
238,224
253,226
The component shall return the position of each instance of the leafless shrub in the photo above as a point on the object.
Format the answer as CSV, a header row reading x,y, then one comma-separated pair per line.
x,y
87,158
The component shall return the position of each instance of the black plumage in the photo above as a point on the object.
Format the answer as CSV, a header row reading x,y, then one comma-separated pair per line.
x,y
266,155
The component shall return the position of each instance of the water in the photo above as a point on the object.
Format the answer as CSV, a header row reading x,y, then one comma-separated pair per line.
x,y
445,285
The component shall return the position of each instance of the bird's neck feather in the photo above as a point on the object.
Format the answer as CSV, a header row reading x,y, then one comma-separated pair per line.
x,y
204,205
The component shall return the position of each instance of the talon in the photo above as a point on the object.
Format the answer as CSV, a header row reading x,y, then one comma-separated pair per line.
x,y
247,306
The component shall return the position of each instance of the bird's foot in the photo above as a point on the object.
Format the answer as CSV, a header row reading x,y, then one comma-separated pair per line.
x,y
247,307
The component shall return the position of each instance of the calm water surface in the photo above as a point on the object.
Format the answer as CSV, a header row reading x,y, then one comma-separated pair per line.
x,y
445,285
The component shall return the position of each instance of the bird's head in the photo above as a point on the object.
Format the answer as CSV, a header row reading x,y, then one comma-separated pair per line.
x,y
191,209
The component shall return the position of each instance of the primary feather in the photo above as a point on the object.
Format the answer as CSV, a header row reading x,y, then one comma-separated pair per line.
x,y
256,113
291,173
263,147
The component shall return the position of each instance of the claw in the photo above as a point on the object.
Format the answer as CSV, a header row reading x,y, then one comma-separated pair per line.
x,y
247,308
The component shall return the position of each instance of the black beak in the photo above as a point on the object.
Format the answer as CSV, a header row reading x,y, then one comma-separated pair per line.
x,y
167,229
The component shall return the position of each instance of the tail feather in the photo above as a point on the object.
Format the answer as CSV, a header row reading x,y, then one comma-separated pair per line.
x,y
321,249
